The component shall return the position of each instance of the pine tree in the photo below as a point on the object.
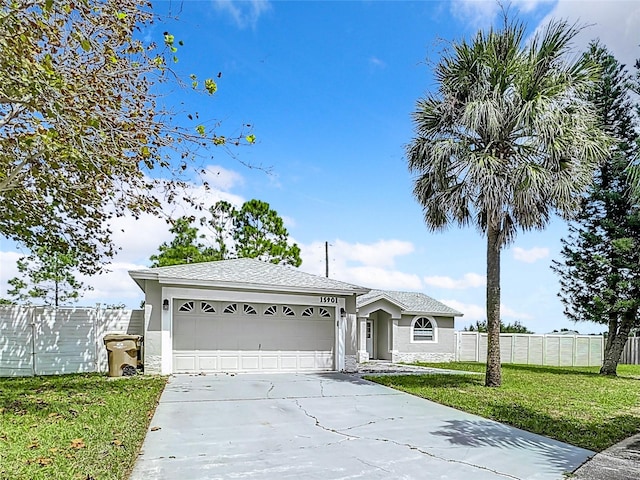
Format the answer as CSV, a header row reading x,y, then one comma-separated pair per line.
x,y
600,266
47,275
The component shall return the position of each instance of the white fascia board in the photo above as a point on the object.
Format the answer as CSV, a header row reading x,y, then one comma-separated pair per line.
x,y
383,296
257,286
434,314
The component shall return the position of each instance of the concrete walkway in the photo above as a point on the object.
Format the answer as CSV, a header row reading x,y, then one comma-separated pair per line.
x,y
620,462
385,367
332,426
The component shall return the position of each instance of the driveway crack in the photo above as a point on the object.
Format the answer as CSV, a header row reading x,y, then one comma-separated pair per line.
x,y
270,389
319,425
372,422
449,460
377,467
400,444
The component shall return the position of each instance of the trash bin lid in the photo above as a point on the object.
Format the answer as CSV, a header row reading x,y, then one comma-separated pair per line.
x,y
121,337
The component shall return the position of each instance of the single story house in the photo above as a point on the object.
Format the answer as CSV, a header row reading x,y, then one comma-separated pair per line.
x,y
248,315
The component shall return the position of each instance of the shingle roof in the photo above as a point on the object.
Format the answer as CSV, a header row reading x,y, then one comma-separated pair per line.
x,y
248,271
413,302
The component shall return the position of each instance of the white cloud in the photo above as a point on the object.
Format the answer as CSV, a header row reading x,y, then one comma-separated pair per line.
x,y
221,178
369,265
510,313
244,13
615,22
482,13
379,254
376,62
530,256
468,280
473,312
8,269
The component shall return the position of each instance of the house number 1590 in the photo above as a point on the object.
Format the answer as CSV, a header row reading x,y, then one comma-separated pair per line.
x,y
328,300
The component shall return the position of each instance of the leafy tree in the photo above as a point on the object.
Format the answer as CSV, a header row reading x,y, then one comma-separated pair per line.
x,y
600,267
47,275
259,232
186,246
220,224
515,327
254,231
508,138
82,129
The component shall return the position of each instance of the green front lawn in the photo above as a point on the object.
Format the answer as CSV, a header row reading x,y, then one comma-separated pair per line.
x,y
573,405
74,427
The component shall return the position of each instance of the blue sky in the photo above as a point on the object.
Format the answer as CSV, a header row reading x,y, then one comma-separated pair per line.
x,y
329,88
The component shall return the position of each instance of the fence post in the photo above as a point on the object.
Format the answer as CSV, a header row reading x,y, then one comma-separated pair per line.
x,y
32,324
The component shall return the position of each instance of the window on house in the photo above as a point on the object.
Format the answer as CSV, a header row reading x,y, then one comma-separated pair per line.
x,y
324,313
288,311
206,307
423,330
186,307
307,312
249,309
231,308
272,310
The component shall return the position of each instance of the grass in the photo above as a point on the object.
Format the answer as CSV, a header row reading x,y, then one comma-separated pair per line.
x,y
74,427
573,405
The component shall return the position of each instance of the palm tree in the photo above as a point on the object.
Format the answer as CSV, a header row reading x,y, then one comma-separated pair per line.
x,y
508,138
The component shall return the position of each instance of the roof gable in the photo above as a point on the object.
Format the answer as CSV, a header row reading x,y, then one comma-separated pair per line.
x,y
410,302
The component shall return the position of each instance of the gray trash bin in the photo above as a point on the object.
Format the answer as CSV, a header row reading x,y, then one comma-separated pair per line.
x,y
122,351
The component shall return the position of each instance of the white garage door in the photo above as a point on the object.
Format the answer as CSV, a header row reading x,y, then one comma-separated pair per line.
x,y
213,336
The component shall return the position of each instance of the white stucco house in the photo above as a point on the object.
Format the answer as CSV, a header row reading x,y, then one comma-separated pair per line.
x,y
248,315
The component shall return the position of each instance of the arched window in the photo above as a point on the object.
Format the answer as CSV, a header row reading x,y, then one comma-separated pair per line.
x,y
423,329
206,307
186,307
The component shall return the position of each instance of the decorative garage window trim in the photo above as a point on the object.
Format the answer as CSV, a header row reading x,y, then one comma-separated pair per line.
x,y
307,312
249,309
272,310
288,311
186,307
206,307
424,330
231,308
324,313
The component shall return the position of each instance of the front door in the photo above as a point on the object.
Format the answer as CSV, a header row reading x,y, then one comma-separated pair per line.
x,y
370,339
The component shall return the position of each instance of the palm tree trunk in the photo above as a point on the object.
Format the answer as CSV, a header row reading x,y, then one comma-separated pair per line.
x,y
494,374
615,343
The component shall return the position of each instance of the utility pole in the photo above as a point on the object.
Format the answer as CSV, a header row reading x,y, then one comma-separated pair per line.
x,y
326,258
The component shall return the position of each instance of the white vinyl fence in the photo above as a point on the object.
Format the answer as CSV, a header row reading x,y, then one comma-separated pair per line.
x,y
50,341
531,349
631,353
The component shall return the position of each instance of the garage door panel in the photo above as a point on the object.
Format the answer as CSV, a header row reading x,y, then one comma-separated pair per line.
x,y
184,363
207,362
241,342
270,362
207,334
184,334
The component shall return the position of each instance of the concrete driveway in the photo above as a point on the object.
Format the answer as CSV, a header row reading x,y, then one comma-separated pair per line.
x,y
332,426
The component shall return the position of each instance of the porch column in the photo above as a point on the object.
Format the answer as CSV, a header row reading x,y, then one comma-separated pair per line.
x,y
166,338
363,355
393,348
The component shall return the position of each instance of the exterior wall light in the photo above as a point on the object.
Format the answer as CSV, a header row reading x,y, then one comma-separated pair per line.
x,y
343,312
165,304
